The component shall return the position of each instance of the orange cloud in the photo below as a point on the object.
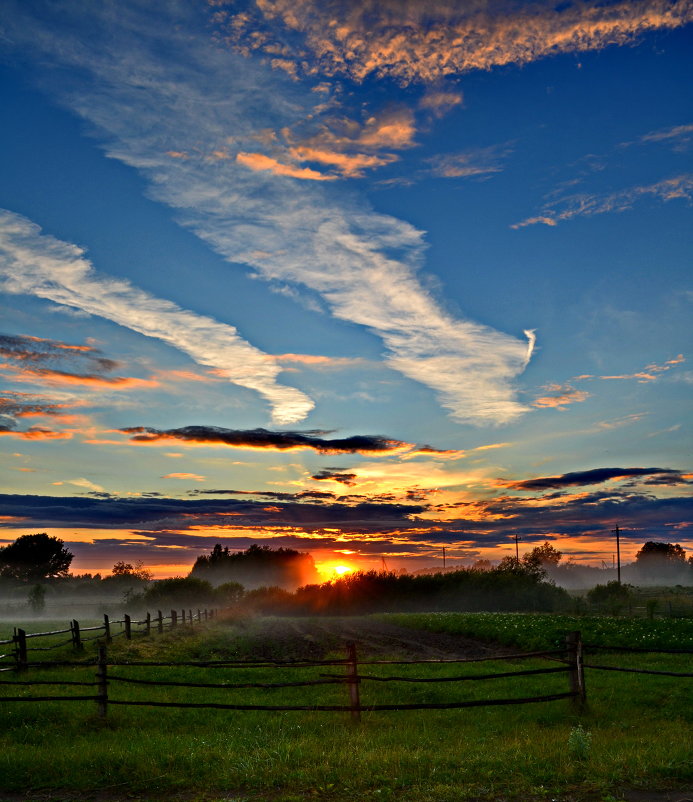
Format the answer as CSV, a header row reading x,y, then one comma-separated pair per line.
x,y
60,377
38,433
650,372
259,162
425,42
194,477
565,394
350,166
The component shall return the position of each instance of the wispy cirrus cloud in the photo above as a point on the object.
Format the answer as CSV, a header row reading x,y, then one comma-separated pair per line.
x,y
412,41
585,205
38,264
469,163
363,264
651,372
678,136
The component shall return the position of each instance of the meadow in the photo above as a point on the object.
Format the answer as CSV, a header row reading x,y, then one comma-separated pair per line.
x,y
634,736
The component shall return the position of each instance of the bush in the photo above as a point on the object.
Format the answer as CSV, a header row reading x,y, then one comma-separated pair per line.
x,y
179,592
613,596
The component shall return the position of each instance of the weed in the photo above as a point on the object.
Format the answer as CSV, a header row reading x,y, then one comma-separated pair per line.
x,y
579,743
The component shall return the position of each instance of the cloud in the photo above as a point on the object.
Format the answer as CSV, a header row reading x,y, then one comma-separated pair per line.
x,y
468,163
440,103
581,478
363,264
410,41
257,161
200,522
678,136
85,483
22,405
564,394
651,372
334,475
38,264
583,205
36,433
193,477
315,361
264,439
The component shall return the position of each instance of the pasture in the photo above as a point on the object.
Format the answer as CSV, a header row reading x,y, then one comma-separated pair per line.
x,y
634,738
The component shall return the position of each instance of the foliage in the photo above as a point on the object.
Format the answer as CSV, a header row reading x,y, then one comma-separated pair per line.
x,y
512,588
612,597
530,631
653,550
257,566
179,591
579,743
123,570
229,593
37,599
35,557
665,561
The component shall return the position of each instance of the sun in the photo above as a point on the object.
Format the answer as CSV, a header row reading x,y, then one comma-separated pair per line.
x,y
342,569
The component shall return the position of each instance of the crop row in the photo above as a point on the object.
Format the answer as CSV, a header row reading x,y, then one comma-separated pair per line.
x,y
545,631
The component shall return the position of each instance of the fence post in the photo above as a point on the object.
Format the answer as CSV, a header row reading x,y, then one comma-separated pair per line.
x,y
182,616
107,628
20,653
128,627
102,679
174,619
353,682
576,675
199,615
159,621
76,637
148,624
190,618
206,614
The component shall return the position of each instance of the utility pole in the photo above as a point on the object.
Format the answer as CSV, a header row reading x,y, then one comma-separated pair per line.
x,y
443,558
617,532
517,548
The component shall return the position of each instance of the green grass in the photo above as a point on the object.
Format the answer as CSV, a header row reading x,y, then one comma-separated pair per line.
x,y
640,728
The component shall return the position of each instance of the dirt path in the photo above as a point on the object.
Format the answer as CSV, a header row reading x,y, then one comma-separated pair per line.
x,y
314,638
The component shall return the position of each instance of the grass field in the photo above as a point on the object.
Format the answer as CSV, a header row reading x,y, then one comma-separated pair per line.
x,y
636,733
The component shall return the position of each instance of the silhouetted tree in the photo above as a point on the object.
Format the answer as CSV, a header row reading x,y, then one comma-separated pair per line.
x,y
545,555
130,571
184,591
257,566
661,560
34,557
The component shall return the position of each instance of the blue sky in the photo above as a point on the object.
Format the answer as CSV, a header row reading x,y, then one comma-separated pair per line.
x,y
432,255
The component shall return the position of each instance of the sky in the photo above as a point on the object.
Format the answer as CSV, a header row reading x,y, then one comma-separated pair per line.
x,y
365,279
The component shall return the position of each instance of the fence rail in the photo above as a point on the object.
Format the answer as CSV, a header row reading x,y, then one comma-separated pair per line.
x,y
571,658
351,678
158,623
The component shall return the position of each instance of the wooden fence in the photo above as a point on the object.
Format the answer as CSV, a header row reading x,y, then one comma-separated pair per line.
x,y
20,641
352,677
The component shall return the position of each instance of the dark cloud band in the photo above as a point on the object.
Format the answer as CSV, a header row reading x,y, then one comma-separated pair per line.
x,y
265,439
593,477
